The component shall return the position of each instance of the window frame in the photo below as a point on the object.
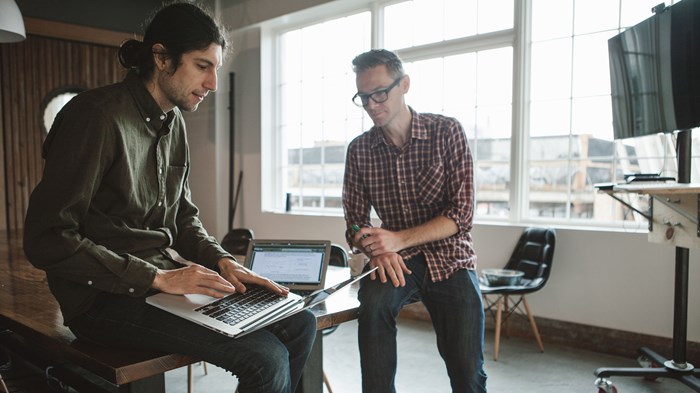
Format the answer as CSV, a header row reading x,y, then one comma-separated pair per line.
x,y
519,38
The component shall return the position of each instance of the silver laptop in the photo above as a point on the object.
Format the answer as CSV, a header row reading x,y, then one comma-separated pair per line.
x,y
299,265
238,314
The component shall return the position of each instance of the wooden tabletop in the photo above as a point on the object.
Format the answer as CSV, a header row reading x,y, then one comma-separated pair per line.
x,y
28,309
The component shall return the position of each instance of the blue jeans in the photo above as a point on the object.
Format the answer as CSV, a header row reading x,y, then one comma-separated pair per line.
x,y
268,360
458,318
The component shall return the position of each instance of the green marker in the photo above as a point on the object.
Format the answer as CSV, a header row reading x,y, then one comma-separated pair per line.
x,y
357,229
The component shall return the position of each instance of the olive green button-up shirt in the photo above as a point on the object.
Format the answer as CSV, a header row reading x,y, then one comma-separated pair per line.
x,y
114,195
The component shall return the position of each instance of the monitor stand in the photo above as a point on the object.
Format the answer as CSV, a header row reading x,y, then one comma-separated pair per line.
x,y
656,366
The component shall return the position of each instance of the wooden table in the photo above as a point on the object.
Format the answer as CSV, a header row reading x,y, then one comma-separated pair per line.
x,y
28,309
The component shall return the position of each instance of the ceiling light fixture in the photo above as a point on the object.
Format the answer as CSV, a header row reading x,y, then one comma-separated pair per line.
x,y
11,23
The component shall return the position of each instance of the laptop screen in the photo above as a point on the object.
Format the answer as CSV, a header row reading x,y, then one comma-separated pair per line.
x,y
297,264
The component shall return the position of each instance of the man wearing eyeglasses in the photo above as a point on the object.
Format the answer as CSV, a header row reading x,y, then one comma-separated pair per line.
x,y
415,170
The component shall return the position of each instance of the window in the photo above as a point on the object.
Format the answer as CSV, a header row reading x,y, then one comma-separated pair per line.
x,y
316,118
476,88
533,97
571,144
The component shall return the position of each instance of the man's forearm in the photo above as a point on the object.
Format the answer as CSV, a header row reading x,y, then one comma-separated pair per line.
x,y
437,228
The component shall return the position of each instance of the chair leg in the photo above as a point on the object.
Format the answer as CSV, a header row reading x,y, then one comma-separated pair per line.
x,y
190,382
189,379
533,325
497,334
6,390
506,308
325,382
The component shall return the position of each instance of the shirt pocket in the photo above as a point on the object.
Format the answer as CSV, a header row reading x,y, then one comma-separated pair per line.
x,y
431,182
174,181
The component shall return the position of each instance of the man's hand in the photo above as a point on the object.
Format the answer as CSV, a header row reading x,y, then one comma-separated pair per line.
x,y
198,279
377,241
391,266
192,279
238,276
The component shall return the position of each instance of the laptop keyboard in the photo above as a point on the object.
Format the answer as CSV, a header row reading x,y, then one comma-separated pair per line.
x,y
237,307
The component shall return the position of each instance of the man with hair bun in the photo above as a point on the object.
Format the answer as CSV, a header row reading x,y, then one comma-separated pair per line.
x,y
112,214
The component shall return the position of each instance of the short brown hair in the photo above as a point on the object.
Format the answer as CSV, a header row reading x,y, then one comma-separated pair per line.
x,y
376,57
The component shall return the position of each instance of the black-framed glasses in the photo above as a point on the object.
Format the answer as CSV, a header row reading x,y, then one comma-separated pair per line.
x,y
378,96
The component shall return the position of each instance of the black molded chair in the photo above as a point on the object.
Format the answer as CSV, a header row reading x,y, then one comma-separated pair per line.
x,y
339,257
533,255
236,241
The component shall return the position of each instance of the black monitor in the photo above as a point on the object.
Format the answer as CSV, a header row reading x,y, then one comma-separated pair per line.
x,y
655,73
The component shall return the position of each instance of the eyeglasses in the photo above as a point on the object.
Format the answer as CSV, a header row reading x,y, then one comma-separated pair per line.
x,y
378,96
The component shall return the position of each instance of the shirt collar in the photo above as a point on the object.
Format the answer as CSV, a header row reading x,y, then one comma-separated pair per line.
x,y
417,130
148,107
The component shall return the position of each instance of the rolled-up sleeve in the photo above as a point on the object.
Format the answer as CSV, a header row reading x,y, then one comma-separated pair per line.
x,y
460,187
356,204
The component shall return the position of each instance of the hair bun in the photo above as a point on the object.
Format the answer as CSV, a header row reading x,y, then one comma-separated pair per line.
x,y
130,53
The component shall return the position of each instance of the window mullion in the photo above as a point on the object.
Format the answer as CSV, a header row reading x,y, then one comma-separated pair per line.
x,y
519,163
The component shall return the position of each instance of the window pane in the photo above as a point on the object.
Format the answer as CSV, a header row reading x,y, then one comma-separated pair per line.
x,y
316,116
460,87
476,88
592,116
495,76
571,141
423,10
460,21
551,75
552,19
635,11
596,15
398,29
494,122
420,22
591,74
427,85
549,118
495,15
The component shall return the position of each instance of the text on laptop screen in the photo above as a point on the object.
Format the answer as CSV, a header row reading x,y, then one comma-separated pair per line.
x,y
297,263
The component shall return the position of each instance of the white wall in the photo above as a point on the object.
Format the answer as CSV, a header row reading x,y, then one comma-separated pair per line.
x,y
608,279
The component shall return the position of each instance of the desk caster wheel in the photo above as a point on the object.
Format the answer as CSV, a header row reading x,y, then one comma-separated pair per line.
x,y
605,386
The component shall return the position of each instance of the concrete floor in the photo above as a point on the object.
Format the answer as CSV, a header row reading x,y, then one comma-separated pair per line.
x,y
520,368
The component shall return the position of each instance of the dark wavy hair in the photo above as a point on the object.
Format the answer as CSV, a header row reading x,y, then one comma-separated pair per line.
x,y
376,57
180,27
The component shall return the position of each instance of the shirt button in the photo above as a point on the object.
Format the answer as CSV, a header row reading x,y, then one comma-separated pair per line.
x,y
160,171
90,282
160,203
131,290
148,228
148,119
162,117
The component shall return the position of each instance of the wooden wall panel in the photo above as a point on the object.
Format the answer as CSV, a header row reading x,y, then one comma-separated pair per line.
x,y
30,70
